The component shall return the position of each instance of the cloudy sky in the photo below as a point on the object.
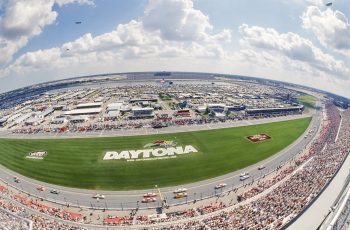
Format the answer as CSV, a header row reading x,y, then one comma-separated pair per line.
x,y
299,41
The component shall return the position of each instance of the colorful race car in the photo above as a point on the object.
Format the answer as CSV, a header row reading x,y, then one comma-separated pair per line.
x,y
40,188
54,191
261,167
242,178
98,196
221,185
180,190
148,200
180,195
150,194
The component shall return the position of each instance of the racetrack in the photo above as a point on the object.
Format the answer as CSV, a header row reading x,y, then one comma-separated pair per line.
x,y
122,200
78,162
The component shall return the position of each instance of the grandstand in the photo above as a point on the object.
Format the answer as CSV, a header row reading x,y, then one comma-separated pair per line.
x,y
272,203
10,220
275,111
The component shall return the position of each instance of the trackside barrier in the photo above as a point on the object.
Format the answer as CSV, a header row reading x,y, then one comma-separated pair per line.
x,y
342,220
340,209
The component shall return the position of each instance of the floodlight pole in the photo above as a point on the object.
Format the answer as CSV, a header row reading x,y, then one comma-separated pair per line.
x,y
161,196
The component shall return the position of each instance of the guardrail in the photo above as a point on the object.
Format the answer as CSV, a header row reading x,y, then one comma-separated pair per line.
x,y
340,209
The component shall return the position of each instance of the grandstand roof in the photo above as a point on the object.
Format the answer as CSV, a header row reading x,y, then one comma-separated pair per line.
x,y
83,111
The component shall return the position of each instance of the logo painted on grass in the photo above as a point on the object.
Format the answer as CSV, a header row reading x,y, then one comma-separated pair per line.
x,y
37,155
165,150
161,143
258,137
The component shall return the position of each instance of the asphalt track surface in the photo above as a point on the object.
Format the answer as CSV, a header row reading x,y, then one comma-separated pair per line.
x,y
126,200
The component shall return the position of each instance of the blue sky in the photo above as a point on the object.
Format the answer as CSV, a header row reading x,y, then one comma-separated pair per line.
x,y
299,41
101,18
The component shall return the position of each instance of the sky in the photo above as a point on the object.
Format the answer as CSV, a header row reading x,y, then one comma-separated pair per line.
x,y
297,41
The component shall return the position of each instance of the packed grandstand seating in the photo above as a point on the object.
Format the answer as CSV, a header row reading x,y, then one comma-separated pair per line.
x,y
278,199
9,221
19,206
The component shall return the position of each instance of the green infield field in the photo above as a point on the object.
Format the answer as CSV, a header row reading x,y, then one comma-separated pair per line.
x,y
307,100
79,162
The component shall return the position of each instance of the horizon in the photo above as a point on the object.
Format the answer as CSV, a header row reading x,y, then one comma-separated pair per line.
x,y
298,42
224,75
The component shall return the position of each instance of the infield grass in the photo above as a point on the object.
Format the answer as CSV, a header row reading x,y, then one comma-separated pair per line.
x,y
307,100
78,162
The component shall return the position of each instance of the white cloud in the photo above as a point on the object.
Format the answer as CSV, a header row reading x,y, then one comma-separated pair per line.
x,y
317,2
172,35
23,19
81,2
178,20
136,40
308,2
26,18
130,34
331,28
294,47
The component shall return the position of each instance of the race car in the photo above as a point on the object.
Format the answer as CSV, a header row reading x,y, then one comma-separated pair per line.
x,y
98,196
150,194
180,190
54,191
40,188
16,179
242,178
243,174
221,185
148,200
261,167
180,195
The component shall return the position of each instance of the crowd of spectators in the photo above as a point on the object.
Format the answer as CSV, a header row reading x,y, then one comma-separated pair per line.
x,y
15,216
294,186
287,200
56,212
9,221
284,202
